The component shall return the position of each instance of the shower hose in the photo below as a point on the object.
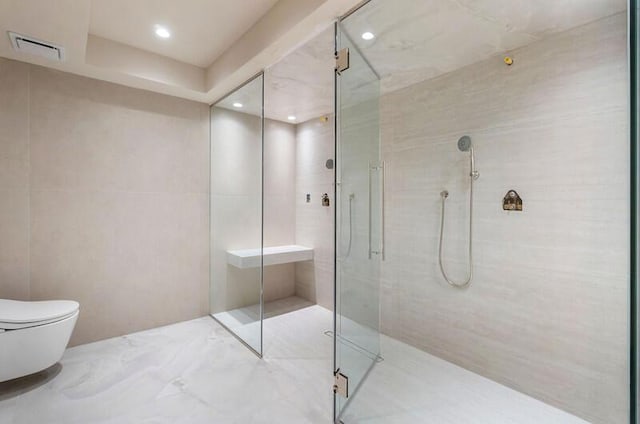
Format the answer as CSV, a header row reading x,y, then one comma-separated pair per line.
x,y
461,284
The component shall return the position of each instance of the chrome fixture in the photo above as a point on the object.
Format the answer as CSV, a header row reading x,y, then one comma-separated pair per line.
x,y
351,197
381,167
464,145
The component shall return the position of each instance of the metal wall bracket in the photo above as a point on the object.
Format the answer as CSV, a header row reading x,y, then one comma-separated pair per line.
x,y
342,60
341,384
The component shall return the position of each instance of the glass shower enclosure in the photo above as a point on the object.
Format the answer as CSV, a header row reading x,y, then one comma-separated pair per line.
x,y
359,221
536,97
236,212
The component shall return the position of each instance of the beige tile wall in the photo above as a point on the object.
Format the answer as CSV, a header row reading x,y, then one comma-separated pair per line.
x,y
279,204
294,164
14,180
314,222
547,312
117,211
237,206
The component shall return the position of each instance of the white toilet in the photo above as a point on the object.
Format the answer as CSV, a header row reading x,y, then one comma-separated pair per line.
x,y
34,335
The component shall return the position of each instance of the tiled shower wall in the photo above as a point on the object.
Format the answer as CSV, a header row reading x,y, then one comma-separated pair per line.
x,y
314,222
237,205
279,204
294,164
547,311
105,200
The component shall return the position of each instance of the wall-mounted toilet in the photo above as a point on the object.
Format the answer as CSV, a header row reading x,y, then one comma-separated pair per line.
x,y
34,335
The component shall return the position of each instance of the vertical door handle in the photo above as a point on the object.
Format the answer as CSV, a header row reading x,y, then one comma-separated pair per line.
x,y
369,175
382,246
382,169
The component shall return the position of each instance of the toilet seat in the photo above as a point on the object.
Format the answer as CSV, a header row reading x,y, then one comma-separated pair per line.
x,y
15,314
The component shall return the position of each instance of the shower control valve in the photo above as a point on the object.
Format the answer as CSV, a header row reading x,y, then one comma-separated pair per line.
x,y
444,194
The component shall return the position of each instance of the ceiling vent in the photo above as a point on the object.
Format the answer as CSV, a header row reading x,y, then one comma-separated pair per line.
x,y
33,46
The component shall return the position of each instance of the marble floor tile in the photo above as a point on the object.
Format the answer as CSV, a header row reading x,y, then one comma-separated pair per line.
x,y
196,372
412,386
191,372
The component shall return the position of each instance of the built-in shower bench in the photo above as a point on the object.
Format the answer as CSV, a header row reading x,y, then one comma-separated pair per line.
x,y
250,258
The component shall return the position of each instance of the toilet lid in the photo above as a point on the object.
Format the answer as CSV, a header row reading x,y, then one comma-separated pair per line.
x,y
17,312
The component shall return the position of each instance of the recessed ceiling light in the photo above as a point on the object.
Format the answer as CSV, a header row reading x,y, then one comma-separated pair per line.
x,y
291,118
368,36
162,32
237,104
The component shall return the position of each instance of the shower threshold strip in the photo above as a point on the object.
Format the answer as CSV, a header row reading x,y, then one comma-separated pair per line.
x,y
370,355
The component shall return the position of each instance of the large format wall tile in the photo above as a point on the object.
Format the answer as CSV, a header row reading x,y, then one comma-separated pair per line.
x,y
14,180
94,135
547,311
133,260
14,244
314,222
119,203
245,214
279,204
104,200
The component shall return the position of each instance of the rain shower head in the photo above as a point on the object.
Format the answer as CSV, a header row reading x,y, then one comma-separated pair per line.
x,y
464,143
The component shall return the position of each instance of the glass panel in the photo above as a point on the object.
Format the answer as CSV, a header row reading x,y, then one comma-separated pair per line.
x,y
359,220
508,159
236,212
634,38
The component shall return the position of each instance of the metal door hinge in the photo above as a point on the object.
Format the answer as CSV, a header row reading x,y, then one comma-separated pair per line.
x,y
342,60
341,384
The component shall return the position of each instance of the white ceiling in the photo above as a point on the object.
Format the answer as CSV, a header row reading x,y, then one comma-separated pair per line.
x,y
415,40
249,96
301,84
201,29
64,22
418,40
215,44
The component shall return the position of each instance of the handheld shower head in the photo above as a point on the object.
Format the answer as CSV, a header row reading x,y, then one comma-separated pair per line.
x,y
464,143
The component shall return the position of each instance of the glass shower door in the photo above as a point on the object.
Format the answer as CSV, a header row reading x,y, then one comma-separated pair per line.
x,y
236,220
359,221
